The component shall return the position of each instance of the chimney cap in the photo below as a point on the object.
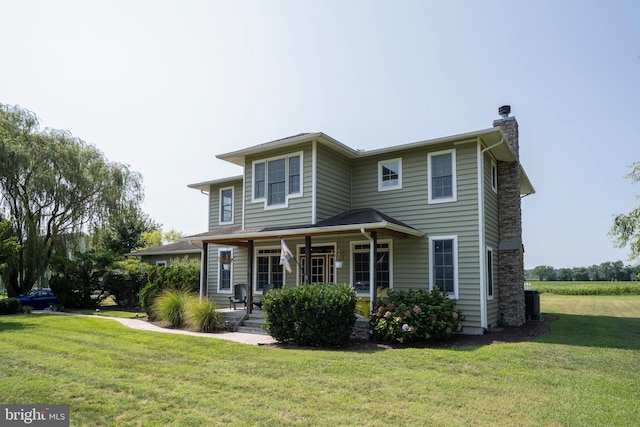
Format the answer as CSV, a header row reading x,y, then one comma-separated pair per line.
x,y
504,111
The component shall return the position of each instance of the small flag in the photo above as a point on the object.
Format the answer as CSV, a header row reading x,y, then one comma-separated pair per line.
x,y
285,256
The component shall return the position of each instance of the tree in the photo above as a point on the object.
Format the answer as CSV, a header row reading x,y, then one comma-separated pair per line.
x,y
54,185
126,231
9,246
626,228
545,272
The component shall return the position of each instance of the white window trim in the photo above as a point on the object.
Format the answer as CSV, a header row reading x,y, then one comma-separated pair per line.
x,y
368,244
256,253
455,264
398,186
488,267
162,263
494,170
288,195
220,290
454,180
220,221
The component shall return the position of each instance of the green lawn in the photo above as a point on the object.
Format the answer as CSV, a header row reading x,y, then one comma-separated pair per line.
x,y
585,373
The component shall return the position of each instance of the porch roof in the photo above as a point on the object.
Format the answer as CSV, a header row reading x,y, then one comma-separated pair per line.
x,y
348,222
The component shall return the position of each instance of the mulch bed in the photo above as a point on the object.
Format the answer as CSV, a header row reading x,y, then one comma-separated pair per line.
x,y
505,334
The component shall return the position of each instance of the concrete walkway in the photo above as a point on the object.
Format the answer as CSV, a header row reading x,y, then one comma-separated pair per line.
x,y
241,337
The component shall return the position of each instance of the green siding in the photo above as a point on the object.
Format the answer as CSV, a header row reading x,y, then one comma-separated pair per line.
x,y
214,203
151,259
238,273
491,236
410,205
298,210
333,190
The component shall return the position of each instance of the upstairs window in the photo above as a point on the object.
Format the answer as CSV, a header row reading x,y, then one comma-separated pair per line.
x,y
276,180
258,183
226,205
389,174
294,175
442,176
494,176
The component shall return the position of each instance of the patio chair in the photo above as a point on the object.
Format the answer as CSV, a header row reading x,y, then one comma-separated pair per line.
x,y
265,290
239,296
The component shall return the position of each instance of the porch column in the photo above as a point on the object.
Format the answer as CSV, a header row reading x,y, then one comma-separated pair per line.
x,y
204,266
250,277
307,256
374,279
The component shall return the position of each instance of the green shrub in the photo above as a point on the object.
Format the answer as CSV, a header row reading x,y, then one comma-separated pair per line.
x,y
71,293
179,275
169,306
10,306
405,316
317,315
201,315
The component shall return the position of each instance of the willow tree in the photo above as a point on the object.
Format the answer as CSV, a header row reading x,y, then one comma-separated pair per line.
x,y
53,186
626,228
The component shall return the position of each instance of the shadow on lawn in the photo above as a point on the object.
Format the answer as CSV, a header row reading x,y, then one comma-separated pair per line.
x,y
11,326
595,331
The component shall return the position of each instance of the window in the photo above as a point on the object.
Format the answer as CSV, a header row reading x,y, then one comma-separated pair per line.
x,y
276,185
494,176
489,273
294,175
443,264
268,268
442,176
258,184
161,263
225,260
226,205
390,175
360,255
277,179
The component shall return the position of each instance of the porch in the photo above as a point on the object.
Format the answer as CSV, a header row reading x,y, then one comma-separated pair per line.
x,y
237,320
260,256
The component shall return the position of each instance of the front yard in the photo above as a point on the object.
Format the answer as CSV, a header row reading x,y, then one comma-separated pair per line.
x,y
586,372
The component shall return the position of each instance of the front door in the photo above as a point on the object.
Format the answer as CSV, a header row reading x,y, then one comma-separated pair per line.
x,y
322,268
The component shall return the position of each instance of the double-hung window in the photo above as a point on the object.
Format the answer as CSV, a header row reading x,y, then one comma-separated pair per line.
x,y
225,258
390,175
268,268
278,179
494,176
443,264
442,176
361,267
226,205
489,273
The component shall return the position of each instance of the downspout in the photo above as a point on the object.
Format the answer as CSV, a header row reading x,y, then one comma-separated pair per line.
x,y
314,176
371,267
481,231
481,238
244,189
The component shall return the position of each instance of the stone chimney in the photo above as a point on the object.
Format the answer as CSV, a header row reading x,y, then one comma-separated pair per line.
x,y
510,250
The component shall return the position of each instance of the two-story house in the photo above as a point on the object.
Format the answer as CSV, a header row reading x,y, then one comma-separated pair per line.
x,y
443,212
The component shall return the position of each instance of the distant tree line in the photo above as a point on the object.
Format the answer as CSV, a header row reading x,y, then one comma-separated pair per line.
x,y
607,271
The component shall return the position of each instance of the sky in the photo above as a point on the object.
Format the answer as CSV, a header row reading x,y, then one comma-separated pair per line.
x,y
165,86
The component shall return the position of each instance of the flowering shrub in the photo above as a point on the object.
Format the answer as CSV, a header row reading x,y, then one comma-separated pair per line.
x,y
405,316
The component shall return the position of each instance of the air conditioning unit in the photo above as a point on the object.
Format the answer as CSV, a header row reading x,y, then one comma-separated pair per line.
x,y
532,305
